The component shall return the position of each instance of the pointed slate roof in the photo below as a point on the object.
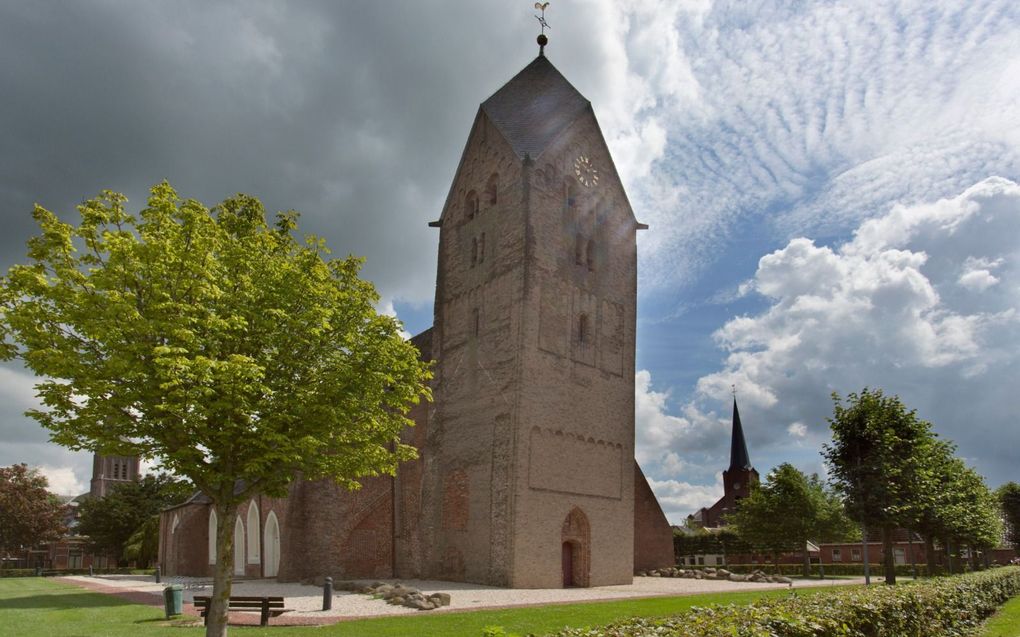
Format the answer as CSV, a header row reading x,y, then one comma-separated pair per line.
x,y
738,447
534,107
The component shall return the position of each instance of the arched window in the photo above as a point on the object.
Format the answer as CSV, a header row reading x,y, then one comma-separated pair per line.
x,y
471,205
591,255
175,524
582,329
213,527
490,189
253,533
474,251
238,546
272,562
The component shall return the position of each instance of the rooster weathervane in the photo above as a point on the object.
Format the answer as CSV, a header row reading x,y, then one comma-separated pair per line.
x,y
542,6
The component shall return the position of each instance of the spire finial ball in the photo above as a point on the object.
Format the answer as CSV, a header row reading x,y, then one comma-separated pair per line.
x,y
543,40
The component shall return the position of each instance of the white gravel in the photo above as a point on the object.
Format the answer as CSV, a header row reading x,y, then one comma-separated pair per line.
x,y
307,600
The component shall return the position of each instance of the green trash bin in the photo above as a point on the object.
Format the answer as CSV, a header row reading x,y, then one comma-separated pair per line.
x,y
173,600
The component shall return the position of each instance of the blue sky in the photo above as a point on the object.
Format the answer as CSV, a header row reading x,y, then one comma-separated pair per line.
x,y
830,186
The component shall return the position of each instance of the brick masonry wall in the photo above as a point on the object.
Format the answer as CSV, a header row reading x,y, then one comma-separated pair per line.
x,y
184,550
577,382
653,536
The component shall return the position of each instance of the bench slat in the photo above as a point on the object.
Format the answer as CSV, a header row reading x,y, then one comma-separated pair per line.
x,y
268,606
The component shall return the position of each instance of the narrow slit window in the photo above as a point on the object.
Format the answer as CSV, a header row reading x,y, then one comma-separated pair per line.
x,y
582,329
491,189
579,250
471,205
590,254
481,249
474,252
570,194
476,321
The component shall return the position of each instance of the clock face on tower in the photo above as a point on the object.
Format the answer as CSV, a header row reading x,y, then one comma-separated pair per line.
x,y
585,172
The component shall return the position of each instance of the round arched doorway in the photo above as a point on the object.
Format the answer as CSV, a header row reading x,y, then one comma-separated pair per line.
x,y
575,547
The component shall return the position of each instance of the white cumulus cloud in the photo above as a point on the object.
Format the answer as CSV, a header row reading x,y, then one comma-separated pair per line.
x,y
63,480
885,309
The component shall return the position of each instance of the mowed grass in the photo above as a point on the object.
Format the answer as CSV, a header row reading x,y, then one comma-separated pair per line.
x,y
1005,623
37,607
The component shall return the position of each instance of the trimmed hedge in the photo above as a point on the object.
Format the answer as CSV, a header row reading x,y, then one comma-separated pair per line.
x,y
47,572
939,607
856,568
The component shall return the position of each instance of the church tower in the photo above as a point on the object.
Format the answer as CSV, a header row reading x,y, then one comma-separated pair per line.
x,y
109,471
740,477
530,483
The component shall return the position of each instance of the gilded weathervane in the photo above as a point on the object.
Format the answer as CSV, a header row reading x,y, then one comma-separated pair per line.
x,y
542,40
542,6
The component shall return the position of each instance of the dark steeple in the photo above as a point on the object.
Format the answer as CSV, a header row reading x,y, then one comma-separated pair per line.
x,y
738,448
534,107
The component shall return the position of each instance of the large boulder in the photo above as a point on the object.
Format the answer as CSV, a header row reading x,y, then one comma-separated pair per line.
x,y
440,599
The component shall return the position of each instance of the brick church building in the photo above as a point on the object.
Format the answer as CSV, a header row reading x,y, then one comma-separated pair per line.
x,y
526,474
738,479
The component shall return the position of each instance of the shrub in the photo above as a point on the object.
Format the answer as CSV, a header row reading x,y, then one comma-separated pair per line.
x,y
939,607
904,570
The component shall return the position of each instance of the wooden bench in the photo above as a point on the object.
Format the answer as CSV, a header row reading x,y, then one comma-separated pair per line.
x,y
268,606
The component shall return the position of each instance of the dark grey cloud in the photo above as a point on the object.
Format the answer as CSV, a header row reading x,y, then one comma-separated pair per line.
x,y
352,113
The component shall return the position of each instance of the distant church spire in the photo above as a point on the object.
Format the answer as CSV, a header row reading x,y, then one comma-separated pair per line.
x,y
738,447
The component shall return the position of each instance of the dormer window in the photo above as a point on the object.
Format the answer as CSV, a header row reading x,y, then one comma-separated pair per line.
x,y
471,205
491,189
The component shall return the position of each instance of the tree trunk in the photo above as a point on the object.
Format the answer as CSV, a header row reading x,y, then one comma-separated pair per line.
x,y
807,561
910,549
929,555
223,577
949,556
887,555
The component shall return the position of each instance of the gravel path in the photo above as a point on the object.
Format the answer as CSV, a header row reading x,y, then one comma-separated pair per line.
x,y
306,601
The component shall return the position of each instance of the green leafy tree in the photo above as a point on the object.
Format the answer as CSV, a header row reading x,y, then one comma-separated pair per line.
x,y
788,510
237,355
875,460
981,527
110,521
1009,500
143,545
29,514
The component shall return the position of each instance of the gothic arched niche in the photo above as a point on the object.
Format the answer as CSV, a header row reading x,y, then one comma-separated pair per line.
x,y
575,539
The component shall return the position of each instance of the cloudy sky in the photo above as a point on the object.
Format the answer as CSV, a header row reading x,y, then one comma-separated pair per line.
x,y
831,186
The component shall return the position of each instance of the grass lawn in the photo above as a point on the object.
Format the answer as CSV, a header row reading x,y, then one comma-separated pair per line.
x,y
39,607
1006,622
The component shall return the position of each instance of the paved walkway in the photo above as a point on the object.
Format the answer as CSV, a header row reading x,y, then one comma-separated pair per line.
x,y
306,601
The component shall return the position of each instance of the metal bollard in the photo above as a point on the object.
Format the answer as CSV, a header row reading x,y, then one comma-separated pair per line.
x,y
159,574
91,574
327,594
